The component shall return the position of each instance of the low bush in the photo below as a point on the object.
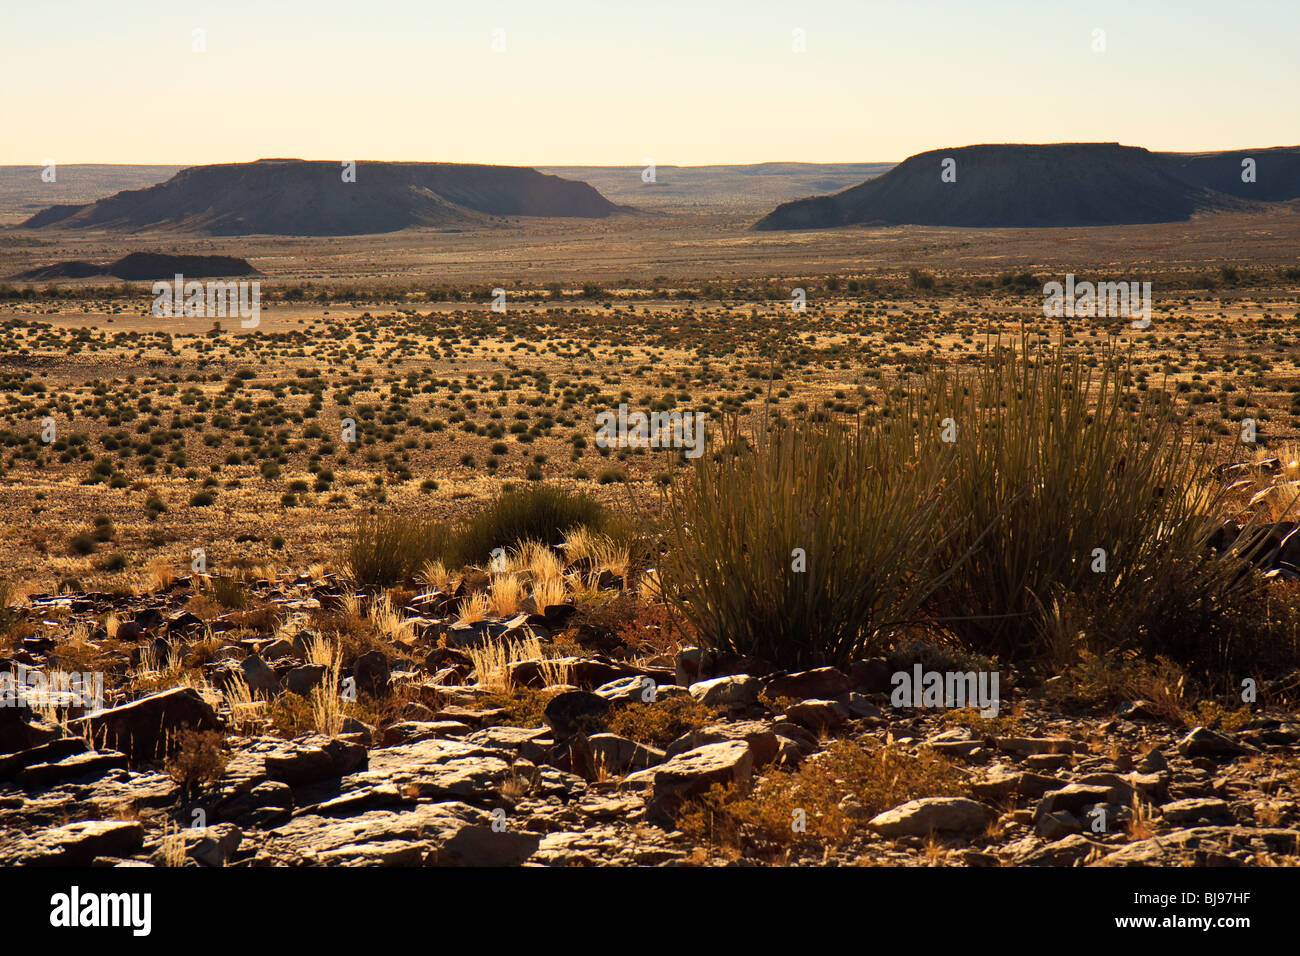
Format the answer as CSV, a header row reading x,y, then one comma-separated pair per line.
x,y
832,795
538,512
200,758
389,549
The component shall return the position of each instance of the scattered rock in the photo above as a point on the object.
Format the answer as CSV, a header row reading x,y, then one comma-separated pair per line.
x,y
575,711
1182,813
50,752
762,739
261,678
1004,784
933,815
1053,826
738,690
1197,845
1202,742
585,672
485,846
1068,851
1073,798
618,755
314,759
212,846
691,774
872,676
1026,746
823,683
818,715
41,776
144,728
372,674
77,844
629,690
278,650
305,679
22,731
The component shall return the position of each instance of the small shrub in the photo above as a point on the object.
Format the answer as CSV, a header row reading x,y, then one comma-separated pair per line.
x,y
836,790
117,561
388,549
200,758
660,723
229,593
536,513
918,279
933,656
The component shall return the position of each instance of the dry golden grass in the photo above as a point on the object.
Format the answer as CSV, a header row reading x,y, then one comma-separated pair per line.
x,y
154,674
77,652
327,709
158,576
1141,826
612,557
602,551
322,652
537,559
506,594
172,846
549,591
387,621
582,587
435,576
493,659
578,544
245,708
648,587
473,609
880,327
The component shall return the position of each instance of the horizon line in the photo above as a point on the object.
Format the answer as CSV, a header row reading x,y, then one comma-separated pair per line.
x,y
762,162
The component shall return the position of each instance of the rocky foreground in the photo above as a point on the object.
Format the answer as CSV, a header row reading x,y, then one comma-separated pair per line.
x,y
446,778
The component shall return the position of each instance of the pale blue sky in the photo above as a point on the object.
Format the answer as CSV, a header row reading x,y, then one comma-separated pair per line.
x,y
616,82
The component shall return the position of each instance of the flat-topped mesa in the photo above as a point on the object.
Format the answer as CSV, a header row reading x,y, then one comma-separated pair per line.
x,y
144,266
1063,184
325,198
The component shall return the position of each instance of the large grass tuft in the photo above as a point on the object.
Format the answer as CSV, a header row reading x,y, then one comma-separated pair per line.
x,y
978,504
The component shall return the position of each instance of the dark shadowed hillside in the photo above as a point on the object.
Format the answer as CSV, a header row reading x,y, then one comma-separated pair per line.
x,y
1277,172
145,265
297,197
1069,184
26,190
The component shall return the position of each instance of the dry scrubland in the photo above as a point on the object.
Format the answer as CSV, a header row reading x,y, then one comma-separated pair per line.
x,y
520,685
